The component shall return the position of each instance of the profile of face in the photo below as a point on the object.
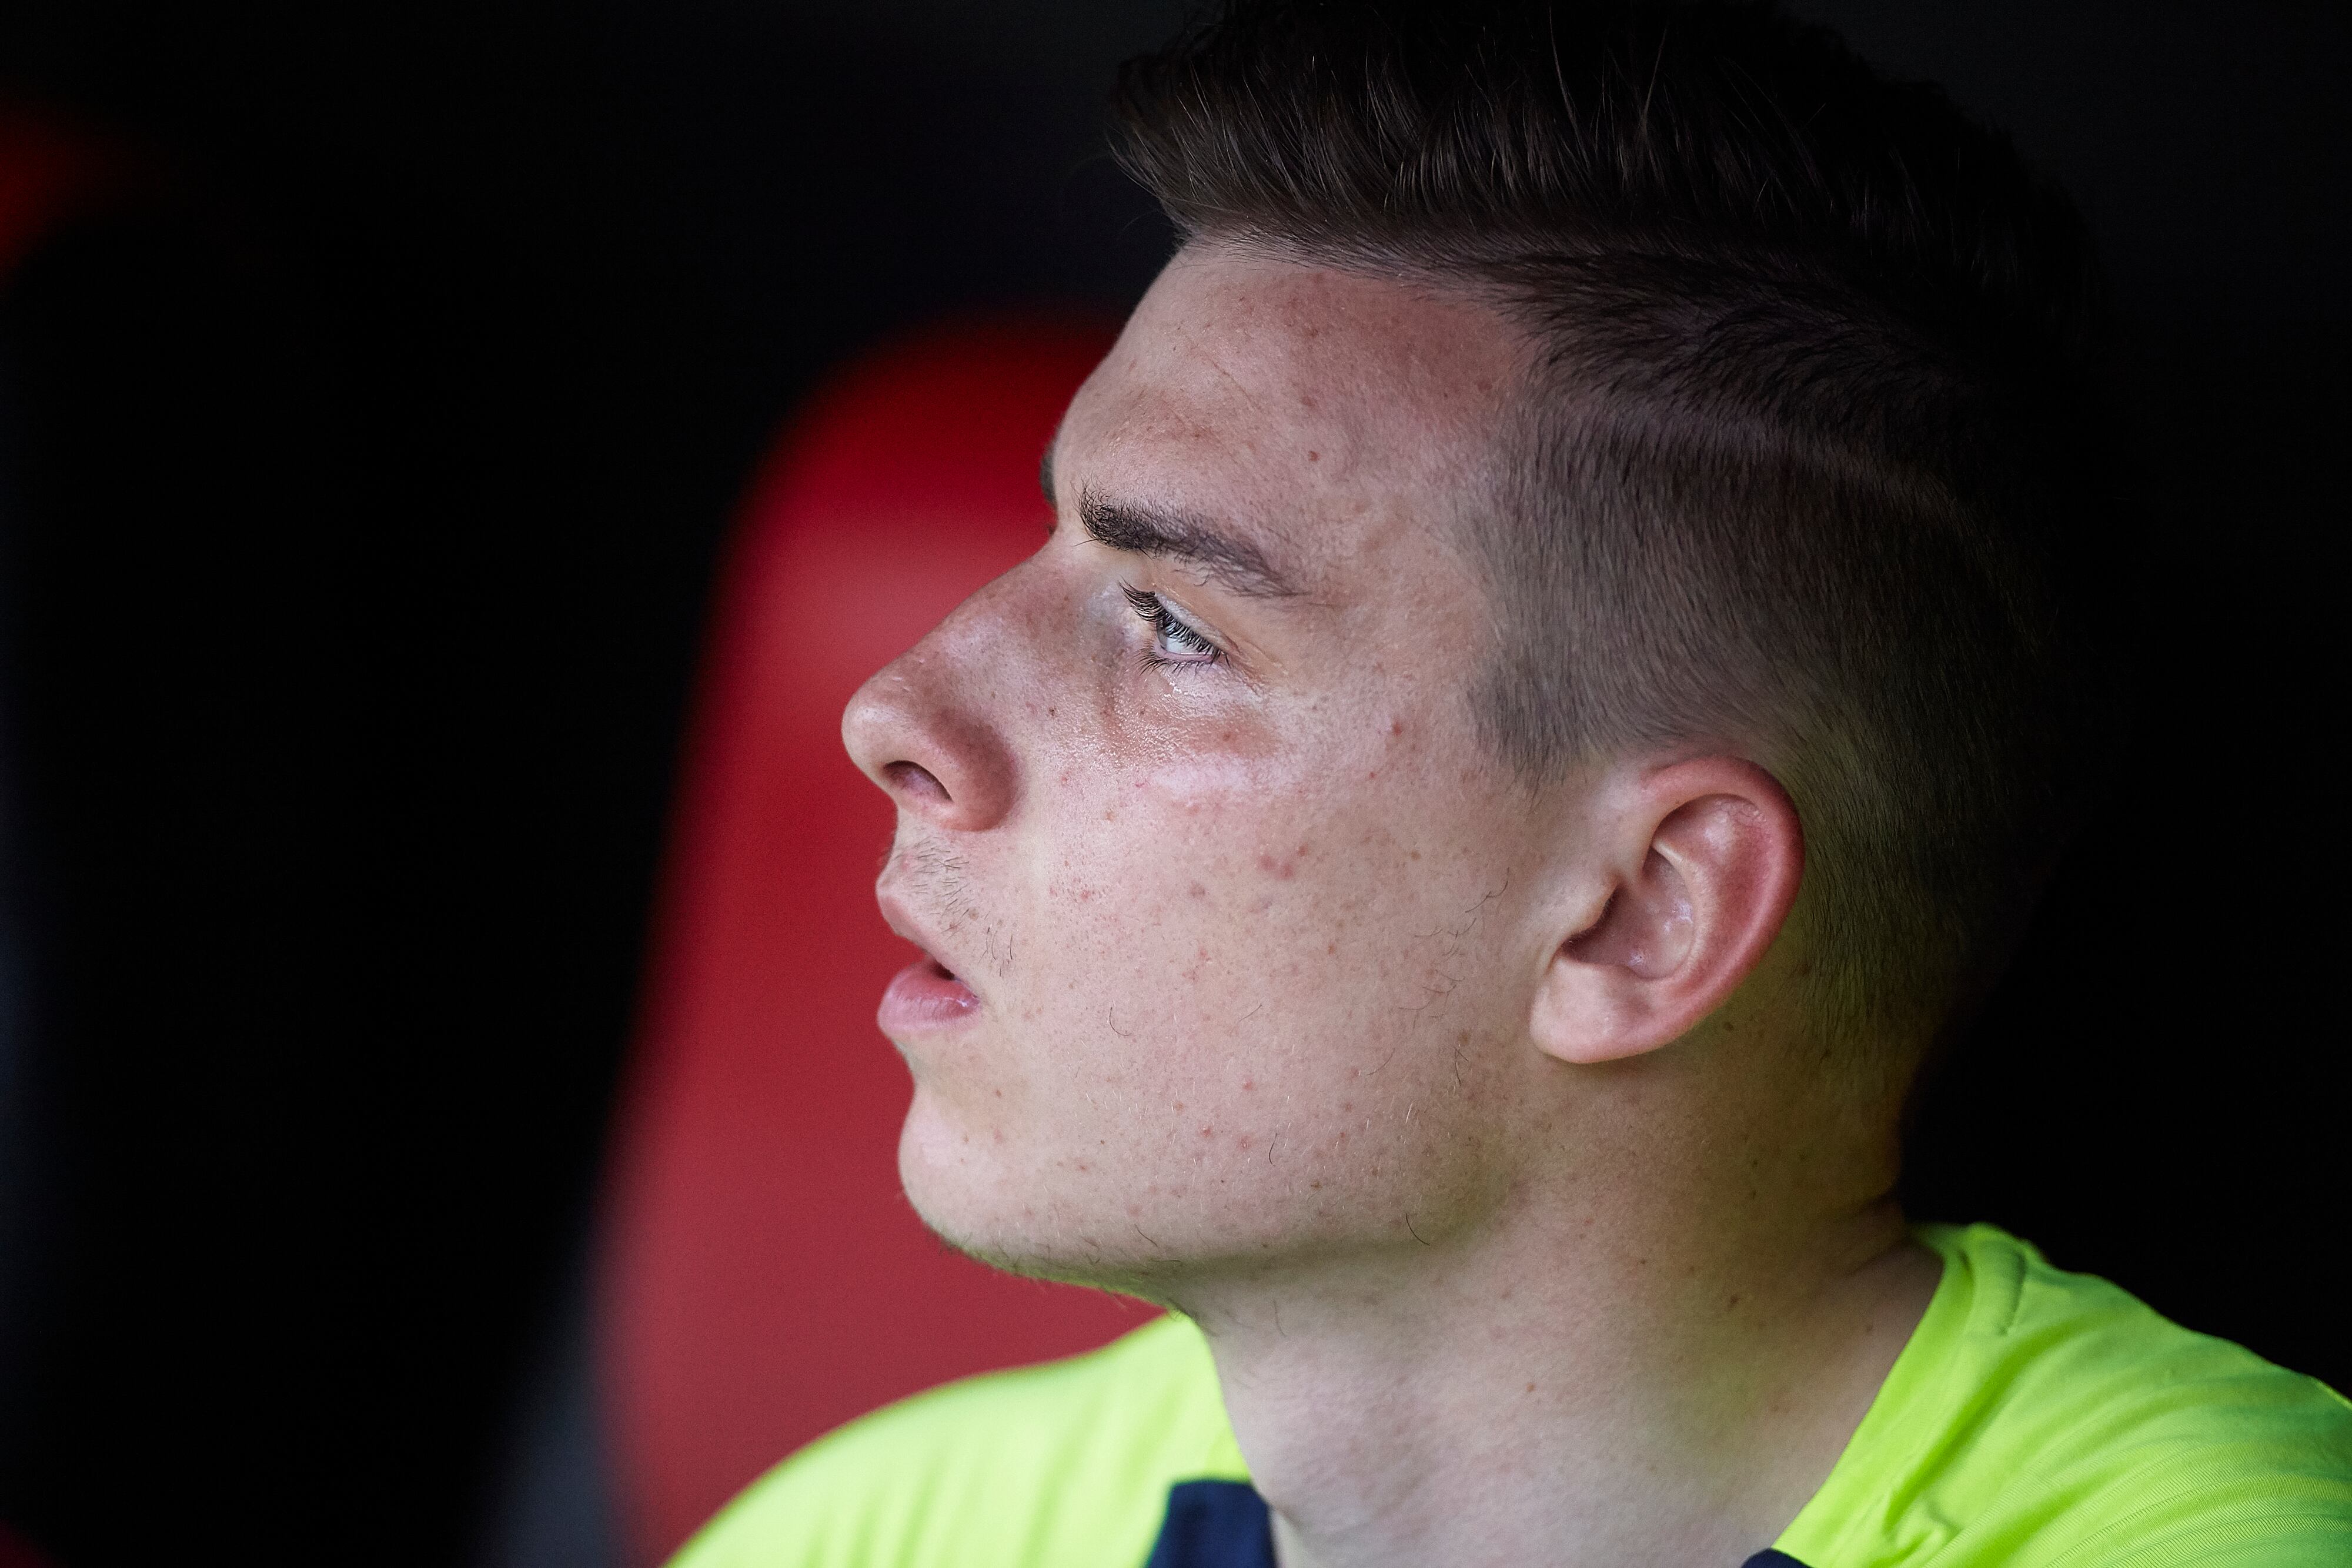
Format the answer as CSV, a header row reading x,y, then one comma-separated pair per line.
x,y
1233,926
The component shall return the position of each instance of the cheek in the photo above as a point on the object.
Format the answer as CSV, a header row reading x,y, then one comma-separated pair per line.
x,y
1231,965
1161,921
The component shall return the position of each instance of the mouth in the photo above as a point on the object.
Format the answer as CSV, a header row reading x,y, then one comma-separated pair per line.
x,y
925,994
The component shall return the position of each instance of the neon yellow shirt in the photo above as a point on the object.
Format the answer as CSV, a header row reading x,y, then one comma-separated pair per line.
x,y
2036,1419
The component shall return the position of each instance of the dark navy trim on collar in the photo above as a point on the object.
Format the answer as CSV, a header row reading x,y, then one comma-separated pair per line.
x,y
1215,1525
1225,1524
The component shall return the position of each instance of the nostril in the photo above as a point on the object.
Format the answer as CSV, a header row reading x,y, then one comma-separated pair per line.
x,y
916,780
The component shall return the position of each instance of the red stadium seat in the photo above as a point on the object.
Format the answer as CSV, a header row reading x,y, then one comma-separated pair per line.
x,y
764,1278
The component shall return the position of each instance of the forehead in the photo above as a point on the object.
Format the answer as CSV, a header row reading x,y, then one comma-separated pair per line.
x,y
1302,402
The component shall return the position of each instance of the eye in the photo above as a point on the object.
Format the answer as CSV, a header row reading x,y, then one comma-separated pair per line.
x,y
1173,639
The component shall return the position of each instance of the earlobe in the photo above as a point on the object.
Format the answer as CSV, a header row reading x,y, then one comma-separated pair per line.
x,y
1701,861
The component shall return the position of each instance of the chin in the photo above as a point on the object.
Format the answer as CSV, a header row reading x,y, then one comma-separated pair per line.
x,y
1011,1249
998,1212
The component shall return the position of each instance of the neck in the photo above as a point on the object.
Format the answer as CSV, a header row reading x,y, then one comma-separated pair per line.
x,y
1565,1383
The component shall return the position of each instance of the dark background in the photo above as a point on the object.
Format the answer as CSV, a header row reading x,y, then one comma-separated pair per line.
x,y
363,463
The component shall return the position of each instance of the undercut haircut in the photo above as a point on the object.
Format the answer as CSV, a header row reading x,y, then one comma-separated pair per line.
x,y
1808,439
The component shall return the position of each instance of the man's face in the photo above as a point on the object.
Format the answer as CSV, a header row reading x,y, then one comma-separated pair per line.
x,y
1233,916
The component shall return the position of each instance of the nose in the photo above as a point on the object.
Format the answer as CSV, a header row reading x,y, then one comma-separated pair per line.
x,y
917,729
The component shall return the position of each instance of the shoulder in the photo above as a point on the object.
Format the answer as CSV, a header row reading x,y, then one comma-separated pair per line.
x,y
1068,1462
2041,1417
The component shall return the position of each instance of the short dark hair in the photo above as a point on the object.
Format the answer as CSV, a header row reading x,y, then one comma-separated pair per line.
x,y
1811,433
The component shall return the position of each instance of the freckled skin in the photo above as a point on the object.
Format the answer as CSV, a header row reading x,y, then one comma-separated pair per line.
x,y
1128,872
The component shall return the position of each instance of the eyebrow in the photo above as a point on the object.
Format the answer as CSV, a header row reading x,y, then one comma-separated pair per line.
x,y
1140,527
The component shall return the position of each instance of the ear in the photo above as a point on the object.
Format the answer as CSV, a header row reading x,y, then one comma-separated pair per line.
x,y
1699,862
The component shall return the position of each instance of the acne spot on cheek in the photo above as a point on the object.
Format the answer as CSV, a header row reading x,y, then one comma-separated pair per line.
x,y
1282,870
1197,891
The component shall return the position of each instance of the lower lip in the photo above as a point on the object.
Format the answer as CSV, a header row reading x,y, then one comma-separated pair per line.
x,y
924,995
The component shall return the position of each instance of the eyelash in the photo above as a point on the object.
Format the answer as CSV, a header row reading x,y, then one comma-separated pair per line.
x,y
1169,627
